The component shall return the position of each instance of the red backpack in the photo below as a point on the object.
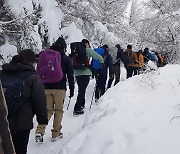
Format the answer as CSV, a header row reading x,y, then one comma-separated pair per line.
x,y
49,66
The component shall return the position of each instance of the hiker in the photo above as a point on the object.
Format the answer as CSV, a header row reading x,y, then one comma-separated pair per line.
x,y
116,66
83,76
6,144
56,93
146,55
161,59
101,74
140,64
131,61
30,99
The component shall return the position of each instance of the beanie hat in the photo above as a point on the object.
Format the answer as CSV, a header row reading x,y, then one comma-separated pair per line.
x,y
60,42
118,46
28,55
129,46
105,46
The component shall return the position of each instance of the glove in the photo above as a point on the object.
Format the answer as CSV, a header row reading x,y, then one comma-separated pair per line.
x,y
71,93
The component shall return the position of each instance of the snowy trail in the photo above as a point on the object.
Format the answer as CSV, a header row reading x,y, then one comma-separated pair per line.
x,y
71,125
131,118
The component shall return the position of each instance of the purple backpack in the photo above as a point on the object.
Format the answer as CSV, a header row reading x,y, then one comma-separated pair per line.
x,y
49,66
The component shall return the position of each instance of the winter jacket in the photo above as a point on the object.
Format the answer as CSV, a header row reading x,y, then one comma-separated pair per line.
x,y
120,56
90,54
68,73
6,144
140,60
33,95
108,64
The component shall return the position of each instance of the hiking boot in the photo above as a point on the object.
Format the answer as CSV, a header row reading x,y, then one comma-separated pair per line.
x,y
96,100
39,138
78,112
53,139
82,107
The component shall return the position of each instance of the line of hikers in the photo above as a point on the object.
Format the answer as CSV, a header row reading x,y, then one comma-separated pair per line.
x,y
40,89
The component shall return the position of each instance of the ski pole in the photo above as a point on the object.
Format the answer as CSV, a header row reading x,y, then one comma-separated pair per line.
x,y
94,92
69,103
92,97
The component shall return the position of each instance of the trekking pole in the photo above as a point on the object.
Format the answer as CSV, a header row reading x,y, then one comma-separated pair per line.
x,y
69,103
92,96
94,92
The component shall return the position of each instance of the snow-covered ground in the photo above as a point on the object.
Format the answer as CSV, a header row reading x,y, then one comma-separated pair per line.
x,y
133,117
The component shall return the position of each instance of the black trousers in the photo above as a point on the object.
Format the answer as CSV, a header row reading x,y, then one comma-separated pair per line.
x,y
100,85
20,141
117,72
82,82
131,71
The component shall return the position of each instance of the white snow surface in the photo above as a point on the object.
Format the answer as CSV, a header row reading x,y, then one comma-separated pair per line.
x,y
137,116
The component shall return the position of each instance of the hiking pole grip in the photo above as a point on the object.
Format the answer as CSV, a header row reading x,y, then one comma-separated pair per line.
x,y
69,103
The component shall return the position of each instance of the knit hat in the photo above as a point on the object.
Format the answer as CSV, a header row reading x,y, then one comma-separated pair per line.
x,y
118,46
105,46
28,55
60,43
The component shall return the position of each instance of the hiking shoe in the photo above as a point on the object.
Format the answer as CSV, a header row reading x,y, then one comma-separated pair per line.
x,y
82,107
39,138
53,139
96,100
78,112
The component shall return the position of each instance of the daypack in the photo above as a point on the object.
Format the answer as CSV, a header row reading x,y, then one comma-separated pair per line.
x,y
49,66
13,86
96,63
128,57
78,55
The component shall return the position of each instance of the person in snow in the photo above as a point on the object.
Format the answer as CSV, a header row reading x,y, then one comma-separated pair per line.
x,y
56,92
83,77
6,144
131,61
101,75
33,97
116,66
140,65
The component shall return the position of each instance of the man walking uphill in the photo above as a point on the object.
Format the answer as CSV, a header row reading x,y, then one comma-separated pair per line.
x,y
56,92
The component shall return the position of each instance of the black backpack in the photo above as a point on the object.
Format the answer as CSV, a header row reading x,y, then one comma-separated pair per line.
x,y
128,58
13,86
78,55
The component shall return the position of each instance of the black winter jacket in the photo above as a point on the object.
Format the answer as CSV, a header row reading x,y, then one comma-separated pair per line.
x,y
68,74
107,64
120,57
33,95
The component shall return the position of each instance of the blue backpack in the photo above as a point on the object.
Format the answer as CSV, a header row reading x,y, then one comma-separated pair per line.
x,y
96,63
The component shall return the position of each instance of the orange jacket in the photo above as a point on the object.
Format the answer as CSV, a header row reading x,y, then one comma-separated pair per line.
x,y
141,60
